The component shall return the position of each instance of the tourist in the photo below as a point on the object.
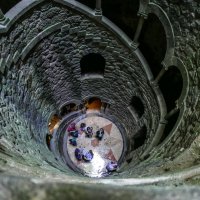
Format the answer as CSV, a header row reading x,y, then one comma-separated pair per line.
x,y
112,166
81,153
78,154
74,133
89,132
82,127
71,127
100,133
73,141
88,155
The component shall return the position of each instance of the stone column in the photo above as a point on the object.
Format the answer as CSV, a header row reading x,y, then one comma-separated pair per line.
x,y
98,10
2,17
139,29
171,113
3,20
160,75
135,42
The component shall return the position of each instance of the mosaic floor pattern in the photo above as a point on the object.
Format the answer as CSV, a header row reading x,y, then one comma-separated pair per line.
x,y
108,149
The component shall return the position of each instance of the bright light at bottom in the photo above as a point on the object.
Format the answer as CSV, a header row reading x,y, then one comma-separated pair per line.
x,y
97,166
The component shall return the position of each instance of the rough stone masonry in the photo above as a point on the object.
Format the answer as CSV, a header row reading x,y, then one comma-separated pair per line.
x,y
42,43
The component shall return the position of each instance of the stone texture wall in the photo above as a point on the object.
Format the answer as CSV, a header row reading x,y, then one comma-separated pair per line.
x,y
40,70
42,54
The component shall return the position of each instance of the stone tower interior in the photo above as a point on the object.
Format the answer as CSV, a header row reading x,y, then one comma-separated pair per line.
x,y
99,99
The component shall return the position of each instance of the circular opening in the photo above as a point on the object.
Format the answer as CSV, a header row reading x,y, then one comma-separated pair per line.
x,y
92,143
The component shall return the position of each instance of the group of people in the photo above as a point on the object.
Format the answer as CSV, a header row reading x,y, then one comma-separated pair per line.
x,y
88,130
82,153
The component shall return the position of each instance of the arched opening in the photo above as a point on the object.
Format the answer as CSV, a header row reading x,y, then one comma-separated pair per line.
x,y
93,104
92,63
72,107
123,14
171,85
140,137
153,43
169,126
53,125
137,106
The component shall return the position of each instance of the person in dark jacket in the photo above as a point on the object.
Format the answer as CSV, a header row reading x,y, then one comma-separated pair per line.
x,y
100,133
82,126
112,166
73,141
71,127
74,133
78,154
81,153
88,155
89,132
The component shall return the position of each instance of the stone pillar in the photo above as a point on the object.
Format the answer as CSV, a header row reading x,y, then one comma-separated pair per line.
x,y
98,10
139,29
171,113
2,17
160,75
135,42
